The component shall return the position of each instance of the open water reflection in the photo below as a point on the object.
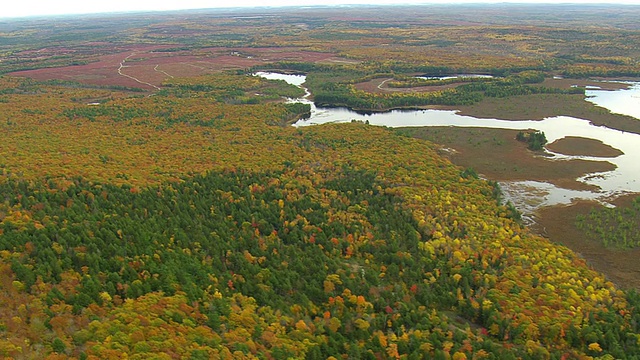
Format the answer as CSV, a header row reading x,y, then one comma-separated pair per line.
x,y
527,196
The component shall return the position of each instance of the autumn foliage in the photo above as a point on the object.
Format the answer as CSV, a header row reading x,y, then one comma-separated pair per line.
x,y
193,224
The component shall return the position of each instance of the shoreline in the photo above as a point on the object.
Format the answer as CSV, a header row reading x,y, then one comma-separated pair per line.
x,y
530,107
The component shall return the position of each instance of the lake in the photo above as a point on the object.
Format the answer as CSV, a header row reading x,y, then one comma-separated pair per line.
x,y
527,196
625,101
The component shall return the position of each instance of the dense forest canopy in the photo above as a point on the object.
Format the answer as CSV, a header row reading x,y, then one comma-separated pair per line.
x,y
155,204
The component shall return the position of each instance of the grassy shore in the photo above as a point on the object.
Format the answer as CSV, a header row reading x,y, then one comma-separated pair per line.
x,y
540,106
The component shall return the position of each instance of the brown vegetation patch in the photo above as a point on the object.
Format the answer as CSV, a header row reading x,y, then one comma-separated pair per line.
x,y
578,146
379,86
558,224
497,155
102,72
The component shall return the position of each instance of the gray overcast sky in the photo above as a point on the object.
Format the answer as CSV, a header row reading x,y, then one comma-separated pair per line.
x,y
19,8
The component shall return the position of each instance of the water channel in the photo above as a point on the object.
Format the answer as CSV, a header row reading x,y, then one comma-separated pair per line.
x,y
527,196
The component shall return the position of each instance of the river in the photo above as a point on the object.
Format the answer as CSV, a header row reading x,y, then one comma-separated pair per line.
x,y
527,196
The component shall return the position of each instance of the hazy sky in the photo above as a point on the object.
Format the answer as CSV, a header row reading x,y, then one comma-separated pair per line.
x,y
19,8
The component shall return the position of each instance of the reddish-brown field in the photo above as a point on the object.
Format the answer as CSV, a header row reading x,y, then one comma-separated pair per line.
x,y
146,67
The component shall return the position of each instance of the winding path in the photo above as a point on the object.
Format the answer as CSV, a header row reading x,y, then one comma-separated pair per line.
x,y
122,66
384,82
162,71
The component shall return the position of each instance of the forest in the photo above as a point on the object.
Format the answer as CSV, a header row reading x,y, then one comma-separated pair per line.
x,y
173,213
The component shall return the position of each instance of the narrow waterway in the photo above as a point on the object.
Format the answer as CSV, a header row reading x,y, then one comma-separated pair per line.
x,y
527,196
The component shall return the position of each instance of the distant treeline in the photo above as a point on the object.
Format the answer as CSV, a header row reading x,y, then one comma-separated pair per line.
x,y
333,85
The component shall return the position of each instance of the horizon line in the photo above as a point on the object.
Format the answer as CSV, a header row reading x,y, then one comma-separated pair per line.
x,y
248,7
